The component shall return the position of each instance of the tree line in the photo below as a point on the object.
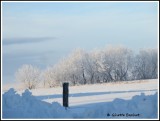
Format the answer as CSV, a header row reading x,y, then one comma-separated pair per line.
x,y
109,64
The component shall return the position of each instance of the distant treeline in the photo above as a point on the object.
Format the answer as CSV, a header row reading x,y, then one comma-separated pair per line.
x,y
110,64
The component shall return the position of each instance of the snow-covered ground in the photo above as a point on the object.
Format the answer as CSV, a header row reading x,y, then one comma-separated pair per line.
x,y
133,99
87,94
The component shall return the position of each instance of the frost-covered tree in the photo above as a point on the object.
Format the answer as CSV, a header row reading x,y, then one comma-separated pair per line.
x,y
29,75
146,64
114,63
71,68
91,67
48,77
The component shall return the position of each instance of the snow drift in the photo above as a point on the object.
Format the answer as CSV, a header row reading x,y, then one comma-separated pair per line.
x,y
28,106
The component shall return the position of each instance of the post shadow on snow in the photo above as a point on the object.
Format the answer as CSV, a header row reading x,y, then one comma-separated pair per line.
x,y
42,97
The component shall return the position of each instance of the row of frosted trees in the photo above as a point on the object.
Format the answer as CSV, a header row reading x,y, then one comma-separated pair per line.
x,y
110,64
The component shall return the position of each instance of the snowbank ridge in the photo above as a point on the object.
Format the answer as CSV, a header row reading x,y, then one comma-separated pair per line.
x,y
27,106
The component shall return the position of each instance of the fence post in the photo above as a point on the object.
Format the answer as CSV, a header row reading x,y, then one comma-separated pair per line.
x,y
65,94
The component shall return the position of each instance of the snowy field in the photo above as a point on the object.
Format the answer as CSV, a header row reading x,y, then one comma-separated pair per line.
x,y
132,99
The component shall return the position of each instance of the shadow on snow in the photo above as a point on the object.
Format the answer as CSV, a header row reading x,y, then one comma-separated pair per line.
x,y
88,94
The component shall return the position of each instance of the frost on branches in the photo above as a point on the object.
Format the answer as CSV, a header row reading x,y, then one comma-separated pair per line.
x,y
29,75
110,64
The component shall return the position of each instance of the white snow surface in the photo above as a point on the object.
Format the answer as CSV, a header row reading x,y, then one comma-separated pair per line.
x,y
134,99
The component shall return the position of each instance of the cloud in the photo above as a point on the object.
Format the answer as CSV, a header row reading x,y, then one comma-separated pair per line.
x,y
7,41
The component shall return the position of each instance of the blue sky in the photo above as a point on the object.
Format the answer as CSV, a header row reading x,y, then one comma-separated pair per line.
x,y
41,33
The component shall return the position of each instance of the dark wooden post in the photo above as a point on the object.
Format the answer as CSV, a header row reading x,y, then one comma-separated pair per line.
x,y
65,94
